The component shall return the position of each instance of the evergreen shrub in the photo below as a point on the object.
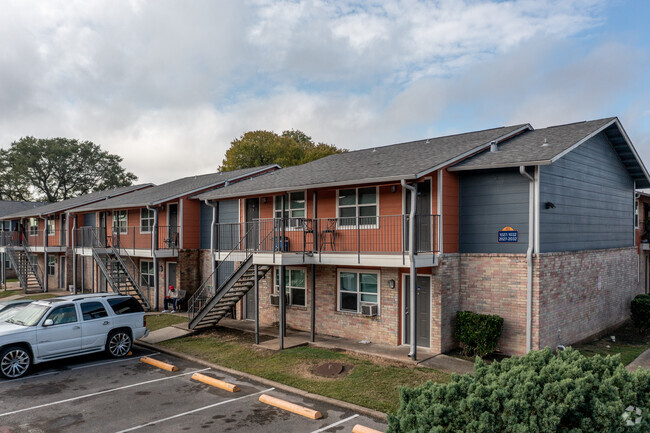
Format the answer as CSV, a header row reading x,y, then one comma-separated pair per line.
x,y
478,333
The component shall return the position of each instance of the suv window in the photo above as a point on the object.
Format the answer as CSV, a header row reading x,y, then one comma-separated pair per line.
x,y
125,305
62,315
93,310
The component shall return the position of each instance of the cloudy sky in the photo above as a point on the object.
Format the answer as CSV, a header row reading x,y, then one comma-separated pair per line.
x,y
169,84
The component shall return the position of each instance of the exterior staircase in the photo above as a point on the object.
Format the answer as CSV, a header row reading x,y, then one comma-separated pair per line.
x,y
29,274
206,311
117,274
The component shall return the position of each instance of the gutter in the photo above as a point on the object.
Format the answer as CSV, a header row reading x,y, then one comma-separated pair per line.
x,y
413,273
529,256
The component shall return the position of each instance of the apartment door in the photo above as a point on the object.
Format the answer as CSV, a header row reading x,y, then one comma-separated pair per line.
x,y
172,225
62,275
171,275
423,218
423,314
63,230
102,229
252,215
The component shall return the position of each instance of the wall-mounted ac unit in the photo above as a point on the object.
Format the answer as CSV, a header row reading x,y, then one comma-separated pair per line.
x,y
275,299
369,309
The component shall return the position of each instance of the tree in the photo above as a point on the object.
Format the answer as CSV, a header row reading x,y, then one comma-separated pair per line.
x,y
256,148
55,169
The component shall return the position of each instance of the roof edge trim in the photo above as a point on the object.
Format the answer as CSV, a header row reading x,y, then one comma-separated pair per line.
x,y
505,165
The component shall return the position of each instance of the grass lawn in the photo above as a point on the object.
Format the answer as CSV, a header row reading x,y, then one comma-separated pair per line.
x,y
159,321
12,280
630,343
6,293
366,381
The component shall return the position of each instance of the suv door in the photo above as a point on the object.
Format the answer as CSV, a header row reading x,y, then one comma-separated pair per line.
x,y
63,336
95,325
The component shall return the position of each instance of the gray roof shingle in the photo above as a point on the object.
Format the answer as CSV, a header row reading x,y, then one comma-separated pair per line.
x,y
10,207
173,189
394,162
72,203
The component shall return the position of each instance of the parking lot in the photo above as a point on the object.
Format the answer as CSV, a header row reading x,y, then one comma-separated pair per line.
x,y
95,394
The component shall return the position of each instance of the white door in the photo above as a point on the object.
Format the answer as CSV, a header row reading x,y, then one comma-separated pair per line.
x,y
61,338
95,325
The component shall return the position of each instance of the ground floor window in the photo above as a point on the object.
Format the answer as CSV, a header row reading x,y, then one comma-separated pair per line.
x,y
51,265
146,273
356,288
295,285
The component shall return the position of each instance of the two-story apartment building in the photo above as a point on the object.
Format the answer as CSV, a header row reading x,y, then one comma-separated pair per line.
x,y
145,241
38,245
533,225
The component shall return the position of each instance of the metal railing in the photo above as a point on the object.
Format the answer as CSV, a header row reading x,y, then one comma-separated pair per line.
x,y
129,238
359,235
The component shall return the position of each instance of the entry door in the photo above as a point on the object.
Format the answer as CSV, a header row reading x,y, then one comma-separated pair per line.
x,y
172,225
423,320
62,273
171,275
252,215
102,229
249,312
63,231
423,218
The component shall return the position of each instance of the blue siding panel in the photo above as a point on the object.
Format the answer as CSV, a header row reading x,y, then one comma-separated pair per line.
x,y
593,197
489,201
205,221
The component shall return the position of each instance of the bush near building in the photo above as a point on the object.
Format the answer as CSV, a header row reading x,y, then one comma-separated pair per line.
x,y
478,333
539,392
641,312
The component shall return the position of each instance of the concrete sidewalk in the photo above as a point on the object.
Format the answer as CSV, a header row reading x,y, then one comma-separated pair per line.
x,y
642,361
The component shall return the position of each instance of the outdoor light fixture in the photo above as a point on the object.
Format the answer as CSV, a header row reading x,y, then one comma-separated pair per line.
x,y
263,199
393,188
391,284
549,205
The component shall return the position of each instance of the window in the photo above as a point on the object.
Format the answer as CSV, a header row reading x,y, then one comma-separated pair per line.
x,y
6,226
146,273
125,305
33,226
295,209
51,265
295,285
146,220
50,227
358,203
356,288
120,222
93,310
34,259
63,315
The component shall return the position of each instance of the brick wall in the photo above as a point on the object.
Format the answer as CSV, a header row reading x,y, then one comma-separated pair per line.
x,y
585,292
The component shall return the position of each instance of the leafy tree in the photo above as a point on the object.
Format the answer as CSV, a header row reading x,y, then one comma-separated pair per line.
x,y
256,148
57,169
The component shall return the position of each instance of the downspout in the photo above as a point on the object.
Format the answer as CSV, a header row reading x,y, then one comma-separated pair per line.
x,y
412,295
45,255
213,242
154,247
74,253
529,257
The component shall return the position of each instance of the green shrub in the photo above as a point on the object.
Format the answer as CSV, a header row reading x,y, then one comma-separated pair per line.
x,y
539,393
478,333
641,312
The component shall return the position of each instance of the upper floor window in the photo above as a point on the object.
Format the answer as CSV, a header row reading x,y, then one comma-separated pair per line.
x,y
33,226
51,227
358,204
146,220
295,209
120,222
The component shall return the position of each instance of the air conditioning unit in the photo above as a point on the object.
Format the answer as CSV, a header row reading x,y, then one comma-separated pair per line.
x,y
275,299
369,309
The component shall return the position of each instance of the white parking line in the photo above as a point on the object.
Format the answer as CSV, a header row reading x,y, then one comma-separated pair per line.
x,y
327,427
67,400
192,411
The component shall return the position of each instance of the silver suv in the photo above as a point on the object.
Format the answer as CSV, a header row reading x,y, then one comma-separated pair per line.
x,y
68,326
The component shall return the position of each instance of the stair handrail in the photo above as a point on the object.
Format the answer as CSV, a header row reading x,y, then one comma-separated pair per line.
x,y
196,302
16,264
35,269
117,251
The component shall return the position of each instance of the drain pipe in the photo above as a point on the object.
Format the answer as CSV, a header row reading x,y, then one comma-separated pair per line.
x,y
154,247
213,241
412,295
529,257
45,255
73,237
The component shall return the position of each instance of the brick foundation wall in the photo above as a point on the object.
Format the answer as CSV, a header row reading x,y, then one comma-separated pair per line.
x,y
585,292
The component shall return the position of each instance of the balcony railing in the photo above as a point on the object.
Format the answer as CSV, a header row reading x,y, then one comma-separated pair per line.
x,y
128,238
34,238
358,235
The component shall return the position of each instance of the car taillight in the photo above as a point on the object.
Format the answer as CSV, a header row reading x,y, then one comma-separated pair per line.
x,y
144,321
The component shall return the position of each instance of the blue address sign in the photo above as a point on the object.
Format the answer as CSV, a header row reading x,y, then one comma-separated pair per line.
x,y
508,234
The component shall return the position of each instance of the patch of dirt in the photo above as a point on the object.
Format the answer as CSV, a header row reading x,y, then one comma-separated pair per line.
x,y
307,370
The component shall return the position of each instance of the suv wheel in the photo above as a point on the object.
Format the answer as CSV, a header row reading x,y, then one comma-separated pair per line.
x,y
118,343
14,362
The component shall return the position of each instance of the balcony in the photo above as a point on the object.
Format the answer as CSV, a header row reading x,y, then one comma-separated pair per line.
x,y
37,240
366,240
133,240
